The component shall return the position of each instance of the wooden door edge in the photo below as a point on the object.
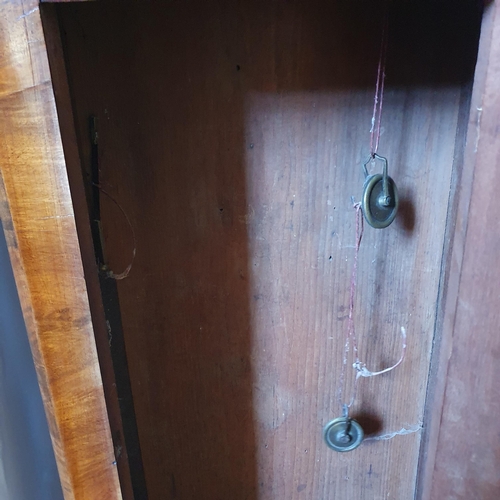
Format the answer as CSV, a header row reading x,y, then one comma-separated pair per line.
x,y
102,332
38,219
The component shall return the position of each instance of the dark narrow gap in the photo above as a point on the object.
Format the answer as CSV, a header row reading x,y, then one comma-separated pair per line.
x,y
114,325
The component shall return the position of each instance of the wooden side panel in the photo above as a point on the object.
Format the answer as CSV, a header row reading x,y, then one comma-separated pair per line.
x,y
37,216
466,429
232,135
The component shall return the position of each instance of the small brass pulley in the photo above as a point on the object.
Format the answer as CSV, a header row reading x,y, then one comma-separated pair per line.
x,y
380,196
343,434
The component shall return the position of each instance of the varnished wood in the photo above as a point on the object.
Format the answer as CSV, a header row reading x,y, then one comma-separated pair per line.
x,y
37,215
465,429
232,135
75,177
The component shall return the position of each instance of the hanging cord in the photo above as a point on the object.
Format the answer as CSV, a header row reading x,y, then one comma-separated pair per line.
x,y
350,339
351,331
378,100
358,366
126,272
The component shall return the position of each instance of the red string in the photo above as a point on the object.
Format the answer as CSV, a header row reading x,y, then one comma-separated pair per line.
x,y
359,367
351,331
379,94
359,235
350,339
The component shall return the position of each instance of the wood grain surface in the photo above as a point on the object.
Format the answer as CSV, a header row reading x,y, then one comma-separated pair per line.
x,y
37,216
232,135
464,425
100,323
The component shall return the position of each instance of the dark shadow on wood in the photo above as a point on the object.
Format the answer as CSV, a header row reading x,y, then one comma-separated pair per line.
x,y
371,423
407,211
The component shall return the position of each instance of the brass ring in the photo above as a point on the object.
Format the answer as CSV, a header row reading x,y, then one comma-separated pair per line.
x,y
343,434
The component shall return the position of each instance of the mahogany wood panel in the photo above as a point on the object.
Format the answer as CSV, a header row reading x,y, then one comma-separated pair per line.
x,y
232,135
38,220
465,425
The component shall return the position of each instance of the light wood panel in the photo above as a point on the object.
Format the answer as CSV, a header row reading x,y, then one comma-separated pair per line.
x,y
465,430
37,216
232,135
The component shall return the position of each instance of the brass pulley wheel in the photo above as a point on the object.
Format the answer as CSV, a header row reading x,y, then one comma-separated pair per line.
x,y
380,196
343,434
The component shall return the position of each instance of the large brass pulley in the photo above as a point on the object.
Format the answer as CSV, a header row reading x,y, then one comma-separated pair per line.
x,y
380,196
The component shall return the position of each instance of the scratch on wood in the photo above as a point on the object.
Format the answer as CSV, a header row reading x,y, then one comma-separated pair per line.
x,y
55,217
28,13
478,128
